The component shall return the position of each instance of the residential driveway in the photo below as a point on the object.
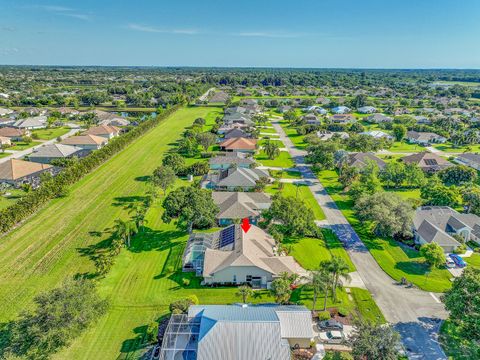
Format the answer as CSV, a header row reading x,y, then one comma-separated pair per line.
x,y
413,312
22,153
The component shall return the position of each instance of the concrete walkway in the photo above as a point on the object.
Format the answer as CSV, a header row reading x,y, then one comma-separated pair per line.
x,y
20,154
415,313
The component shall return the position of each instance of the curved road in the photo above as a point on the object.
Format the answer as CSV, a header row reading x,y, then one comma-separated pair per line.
x,y
415,313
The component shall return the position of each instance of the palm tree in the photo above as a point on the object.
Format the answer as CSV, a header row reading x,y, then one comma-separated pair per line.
x,y
271,149
318,282
244,291
124,230
338,268
324,270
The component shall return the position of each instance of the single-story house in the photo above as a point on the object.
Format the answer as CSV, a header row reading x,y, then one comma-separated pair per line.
x,y
327,135
377,134
366,110
45,154
235,178
441,223
36,122
4,111
6,122
106,118
219,97
233,256
239,144
311,119
469,159
378,118
229,159
67,111
322,100
420,119
237,332
424,138
17,172
342,118
427,161
284,108
238,118
224,128
341,110
240,205
236,133
87,142
14,134
361,159
105,131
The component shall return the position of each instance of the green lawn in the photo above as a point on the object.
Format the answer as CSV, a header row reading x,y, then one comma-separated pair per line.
x,y
448,147
473,260
404,146
303,193
283,160
296,139
366,306
286,174
396,260
52,133
262,142
4,154
309,252
39,254
21,145
268,130
6,201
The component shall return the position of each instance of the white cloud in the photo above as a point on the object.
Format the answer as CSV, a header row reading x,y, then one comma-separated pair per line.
x,y
151,29
64,11
269,34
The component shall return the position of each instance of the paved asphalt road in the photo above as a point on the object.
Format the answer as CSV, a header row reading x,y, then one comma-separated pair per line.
x,y
22,153
415,313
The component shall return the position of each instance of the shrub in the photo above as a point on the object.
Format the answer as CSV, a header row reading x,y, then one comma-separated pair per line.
x,y
170,269
193,299
185,281
342,311
461,249
324,315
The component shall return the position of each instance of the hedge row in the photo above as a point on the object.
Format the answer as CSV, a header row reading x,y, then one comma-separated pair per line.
x,y
57,186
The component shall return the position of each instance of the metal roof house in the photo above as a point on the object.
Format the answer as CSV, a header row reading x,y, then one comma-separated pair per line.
x,y
45,154
234,179
237,332
233,256
230,159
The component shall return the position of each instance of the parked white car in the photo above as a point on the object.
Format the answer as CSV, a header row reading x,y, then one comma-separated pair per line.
x,y
332,337
450,263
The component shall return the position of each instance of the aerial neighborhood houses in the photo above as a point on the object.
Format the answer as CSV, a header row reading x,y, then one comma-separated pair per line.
x,y
20,127
424,138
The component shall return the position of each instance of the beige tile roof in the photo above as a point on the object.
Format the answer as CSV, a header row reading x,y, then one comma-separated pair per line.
x,y
84,140
239,143
16,169
11,132
103,130
254,248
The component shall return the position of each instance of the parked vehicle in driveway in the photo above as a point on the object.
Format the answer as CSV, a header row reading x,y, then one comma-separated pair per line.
x,y
330,325
458,260
449,262
332,337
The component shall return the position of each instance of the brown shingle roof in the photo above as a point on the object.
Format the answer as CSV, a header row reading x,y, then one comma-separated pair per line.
x,y
16,169
103,130
11,132
427,161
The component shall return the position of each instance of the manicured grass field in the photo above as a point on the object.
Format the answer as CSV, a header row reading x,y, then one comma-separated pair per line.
x,y
286,174
309,252
366,306
473,260
396,260
20,145
296,139
303,193
336,247
283,160
6,201
4,154
39,254
405,147
448,147
262,142
52,133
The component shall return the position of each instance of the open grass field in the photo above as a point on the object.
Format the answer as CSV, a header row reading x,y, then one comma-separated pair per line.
x,y
21,145
395,259
39,254
309,252
296,139
404,146
52,133
366,306
283,160
449,148
303,193
14,195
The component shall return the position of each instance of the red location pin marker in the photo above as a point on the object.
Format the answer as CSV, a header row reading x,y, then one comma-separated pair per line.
x,y
246,225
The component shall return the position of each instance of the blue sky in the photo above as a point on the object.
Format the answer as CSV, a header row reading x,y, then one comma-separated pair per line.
x,y
302,33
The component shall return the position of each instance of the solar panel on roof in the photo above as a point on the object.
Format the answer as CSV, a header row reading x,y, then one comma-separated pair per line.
x,y
431,162
227,236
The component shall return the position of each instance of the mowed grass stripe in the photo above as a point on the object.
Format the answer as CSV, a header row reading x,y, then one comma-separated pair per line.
x,y
44,250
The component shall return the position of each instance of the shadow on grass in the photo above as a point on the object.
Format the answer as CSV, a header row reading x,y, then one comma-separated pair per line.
x,y
127,201
144,178
413,267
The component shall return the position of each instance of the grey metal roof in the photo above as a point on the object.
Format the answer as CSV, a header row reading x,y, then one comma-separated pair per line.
x,y
241,177
238,205
55,151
